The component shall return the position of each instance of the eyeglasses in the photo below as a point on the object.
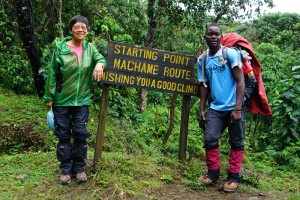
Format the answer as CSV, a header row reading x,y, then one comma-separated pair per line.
x,y
78,27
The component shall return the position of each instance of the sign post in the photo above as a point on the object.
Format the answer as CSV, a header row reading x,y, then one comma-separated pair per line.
x,y
151,69
101,126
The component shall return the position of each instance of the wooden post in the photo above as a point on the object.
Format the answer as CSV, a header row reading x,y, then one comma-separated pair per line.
x,y
184,124
101,126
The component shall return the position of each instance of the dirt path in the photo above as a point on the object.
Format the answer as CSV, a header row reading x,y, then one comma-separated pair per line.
x,y
180,192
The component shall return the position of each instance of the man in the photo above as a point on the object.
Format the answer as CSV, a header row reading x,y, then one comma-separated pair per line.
x,y
223,85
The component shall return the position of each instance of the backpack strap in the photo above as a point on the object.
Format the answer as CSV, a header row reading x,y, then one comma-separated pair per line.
x,y
224,55
203,58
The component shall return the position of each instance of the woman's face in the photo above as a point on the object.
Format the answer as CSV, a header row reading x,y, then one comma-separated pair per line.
x,y
79,31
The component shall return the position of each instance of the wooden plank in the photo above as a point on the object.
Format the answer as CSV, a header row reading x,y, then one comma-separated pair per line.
x,y
101,126
184,124
150,69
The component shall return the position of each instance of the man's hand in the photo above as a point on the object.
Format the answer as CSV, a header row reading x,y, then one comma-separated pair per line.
x,y
236,115
98,71
202,120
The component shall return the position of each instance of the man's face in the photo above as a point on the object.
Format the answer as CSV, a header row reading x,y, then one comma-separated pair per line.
x,y
213,37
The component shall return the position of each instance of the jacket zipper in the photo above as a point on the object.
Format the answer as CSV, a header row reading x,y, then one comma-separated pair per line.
x,y
78,80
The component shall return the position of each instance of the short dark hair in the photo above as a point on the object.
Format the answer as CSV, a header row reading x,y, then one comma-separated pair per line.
x,y
78,18
214,24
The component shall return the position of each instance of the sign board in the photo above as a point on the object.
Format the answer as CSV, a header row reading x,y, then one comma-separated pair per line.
x,y
152,69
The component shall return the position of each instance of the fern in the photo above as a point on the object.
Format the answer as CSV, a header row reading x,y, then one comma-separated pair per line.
x,y
290,156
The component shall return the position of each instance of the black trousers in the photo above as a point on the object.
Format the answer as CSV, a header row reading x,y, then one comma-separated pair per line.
x,y
70,122
216,123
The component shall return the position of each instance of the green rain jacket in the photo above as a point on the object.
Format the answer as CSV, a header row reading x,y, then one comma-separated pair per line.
x,y
69,82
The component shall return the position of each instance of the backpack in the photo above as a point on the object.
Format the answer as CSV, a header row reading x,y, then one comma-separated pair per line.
x,y
257,102
250,79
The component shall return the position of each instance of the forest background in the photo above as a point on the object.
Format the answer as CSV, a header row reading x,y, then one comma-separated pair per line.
x,y
142,131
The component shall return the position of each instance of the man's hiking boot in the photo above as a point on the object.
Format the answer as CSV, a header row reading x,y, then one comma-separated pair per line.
x,y
230,186
81,177
206,180
65,179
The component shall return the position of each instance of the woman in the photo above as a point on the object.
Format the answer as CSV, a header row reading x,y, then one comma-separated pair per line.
x,y
68,91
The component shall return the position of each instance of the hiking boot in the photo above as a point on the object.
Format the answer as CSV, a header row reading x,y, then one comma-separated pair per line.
x,y
206,180
230,186
65,179
81,177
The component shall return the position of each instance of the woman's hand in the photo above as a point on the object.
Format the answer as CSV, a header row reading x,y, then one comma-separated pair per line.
x,y
98,71
48,104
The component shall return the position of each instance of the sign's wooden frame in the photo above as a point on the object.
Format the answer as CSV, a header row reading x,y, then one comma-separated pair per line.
x,y
151,69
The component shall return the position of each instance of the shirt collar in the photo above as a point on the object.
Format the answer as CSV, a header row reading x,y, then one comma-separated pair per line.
x,y
219,52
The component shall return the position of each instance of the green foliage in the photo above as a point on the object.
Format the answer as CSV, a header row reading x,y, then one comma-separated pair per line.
x,y
251,180
120,175
23,124
184,29
268,176
15,71
277,57
192,171
196,134
30,177
153,124
288,158
271,59
285,103
281,29
121,21
24,172
120,137
166,178
134,174
101,45
123,101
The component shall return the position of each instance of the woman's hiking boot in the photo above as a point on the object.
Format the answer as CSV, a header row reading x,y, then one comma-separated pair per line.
x,y
65,179
81,177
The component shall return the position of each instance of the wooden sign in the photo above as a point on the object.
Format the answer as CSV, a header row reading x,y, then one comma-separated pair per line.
x,y
148,68
153,69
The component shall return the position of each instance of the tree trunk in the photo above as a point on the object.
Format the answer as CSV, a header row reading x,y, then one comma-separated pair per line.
x,y
148,43
223,11
151,24
143,100
26,28
59,9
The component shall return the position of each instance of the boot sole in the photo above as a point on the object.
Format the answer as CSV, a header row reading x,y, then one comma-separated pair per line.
x,y
65,183
81,180
228,190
